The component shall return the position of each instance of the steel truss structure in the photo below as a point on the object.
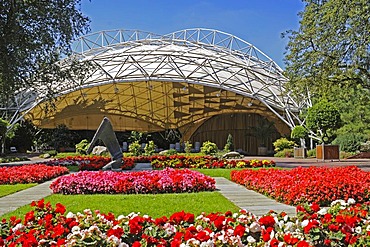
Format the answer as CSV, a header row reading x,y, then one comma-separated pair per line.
x,y
148,82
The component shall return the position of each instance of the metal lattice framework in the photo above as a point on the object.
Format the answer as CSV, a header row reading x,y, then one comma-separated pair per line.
x,y
156,82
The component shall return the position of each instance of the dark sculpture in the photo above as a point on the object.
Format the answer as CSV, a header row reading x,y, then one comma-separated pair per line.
x,y
106,134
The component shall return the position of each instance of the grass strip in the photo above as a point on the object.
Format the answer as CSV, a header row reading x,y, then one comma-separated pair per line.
x,y
153,205
7,189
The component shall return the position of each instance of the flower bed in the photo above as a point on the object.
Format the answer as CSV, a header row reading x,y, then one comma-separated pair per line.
x,y
205,162
107,182
88,163
343,224
35,173
314,184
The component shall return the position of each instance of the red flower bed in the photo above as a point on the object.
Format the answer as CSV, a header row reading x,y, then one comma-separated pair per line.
x,y
205,162
164,181
35,173
343,224
314,184
95,163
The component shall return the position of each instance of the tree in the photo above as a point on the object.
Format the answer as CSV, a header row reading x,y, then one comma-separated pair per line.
x,y
323,118
229,146
299,133
33,37
331,47
3,129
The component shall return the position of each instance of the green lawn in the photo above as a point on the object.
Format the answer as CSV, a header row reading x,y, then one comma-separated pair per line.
x,y
152,205
7,189
219,172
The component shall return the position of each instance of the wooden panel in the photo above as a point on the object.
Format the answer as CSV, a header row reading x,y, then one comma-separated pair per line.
x,y
239,125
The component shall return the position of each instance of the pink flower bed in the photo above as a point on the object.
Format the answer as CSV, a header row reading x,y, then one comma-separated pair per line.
x,y
107,182
35,173
343,224
315,184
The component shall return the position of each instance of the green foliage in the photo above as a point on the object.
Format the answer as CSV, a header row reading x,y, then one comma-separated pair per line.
x,y
52,153
188,147
311,153
149,148
331,47
135,148
288,152
33,34
299,132
82,146
61,137
350,142
324,118
229,146
283,143
209,148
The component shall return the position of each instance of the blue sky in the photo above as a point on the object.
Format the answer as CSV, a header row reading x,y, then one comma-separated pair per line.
x,y
259,22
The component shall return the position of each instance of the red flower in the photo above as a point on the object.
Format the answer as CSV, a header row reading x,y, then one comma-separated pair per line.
x,y
136,244
239,230
310,225
289,239
267,221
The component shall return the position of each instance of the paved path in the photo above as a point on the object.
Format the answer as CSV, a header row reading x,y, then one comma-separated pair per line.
x,y
249,200
12,202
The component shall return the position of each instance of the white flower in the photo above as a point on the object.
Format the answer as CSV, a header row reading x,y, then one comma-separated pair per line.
x,y
358,229
281,244
121,217
70,215
75,229
251,239
322,211
286,217
255,227
351,201
87,211
304,223
18,227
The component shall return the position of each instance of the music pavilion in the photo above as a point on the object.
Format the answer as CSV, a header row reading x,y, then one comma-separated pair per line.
x,y
204,83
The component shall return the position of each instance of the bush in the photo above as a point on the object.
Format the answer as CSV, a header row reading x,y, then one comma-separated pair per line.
x,y
52,153
209,148
135,148
82,147
188,147
350,142
288,152
311,153
283,143
229,146
149,148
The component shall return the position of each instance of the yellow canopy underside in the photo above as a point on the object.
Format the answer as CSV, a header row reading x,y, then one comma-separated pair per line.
x,y
144,106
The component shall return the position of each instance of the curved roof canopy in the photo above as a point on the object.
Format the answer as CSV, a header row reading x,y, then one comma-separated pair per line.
x,y
148,82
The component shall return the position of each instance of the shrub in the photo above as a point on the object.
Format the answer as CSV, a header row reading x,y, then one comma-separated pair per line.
x,y
283,143
288,152
350,142
188,147
229,146
149,148
209,148
298,132
82,147
135,148
311,153
52,153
